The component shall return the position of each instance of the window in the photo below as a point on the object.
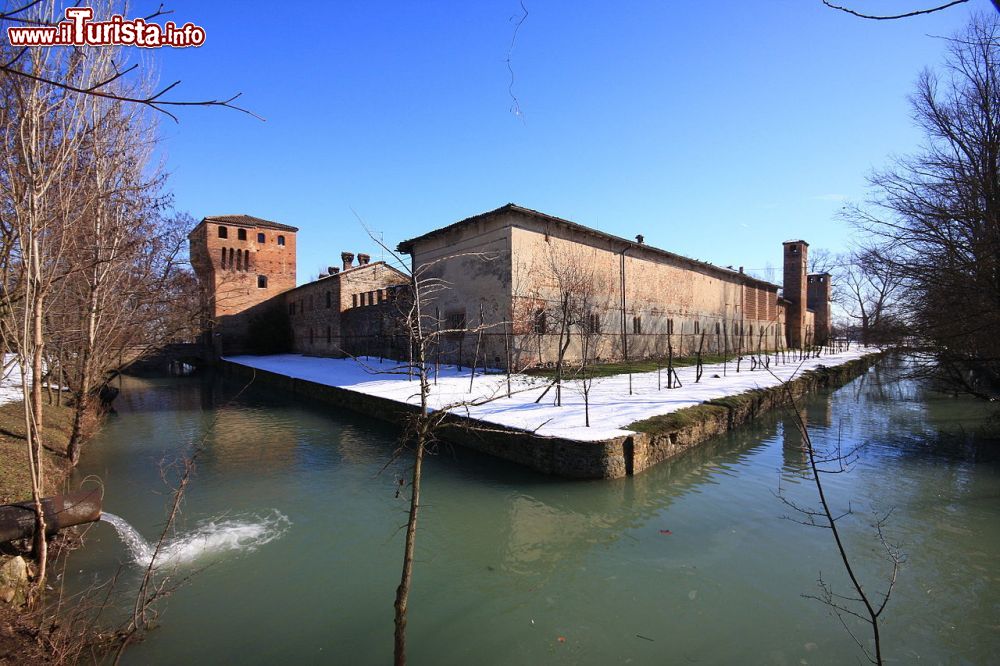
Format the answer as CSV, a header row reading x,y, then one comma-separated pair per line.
x,y
593,323
223,257
354,300
262,282
281,240
246,260
329,302
329,335
637,325
697,327
670,327
261,238
223,232
538,322
456,321
231,260
241,234
239,260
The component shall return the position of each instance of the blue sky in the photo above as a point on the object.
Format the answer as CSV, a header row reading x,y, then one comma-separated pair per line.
x,y
716,129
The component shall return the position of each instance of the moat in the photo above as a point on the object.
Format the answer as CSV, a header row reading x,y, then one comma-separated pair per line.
x,y
690,562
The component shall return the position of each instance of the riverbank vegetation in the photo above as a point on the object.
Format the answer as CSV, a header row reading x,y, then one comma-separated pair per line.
x,y
927,267
92,259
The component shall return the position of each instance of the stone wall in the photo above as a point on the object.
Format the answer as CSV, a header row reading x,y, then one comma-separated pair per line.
x,y
319,310
658,439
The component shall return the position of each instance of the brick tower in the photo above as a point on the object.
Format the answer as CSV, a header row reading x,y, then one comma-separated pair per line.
x,y
795,292
241,262
818,300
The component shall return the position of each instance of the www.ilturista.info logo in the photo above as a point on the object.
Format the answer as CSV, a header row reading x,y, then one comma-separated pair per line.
x,y
79,30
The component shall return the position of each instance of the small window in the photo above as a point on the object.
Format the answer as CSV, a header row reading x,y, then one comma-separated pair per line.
x,y
262,282
246,260
281,240
329,301
697,327
239,261
354,300
232,262
594,323
456,321
538,322
223,257
241,234
637,325
261,238
223,232
329,336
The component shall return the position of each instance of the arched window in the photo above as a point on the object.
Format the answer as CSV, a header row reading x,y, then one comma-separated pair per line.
x,y
262,282
246,260
223,232
281,240
223,257
239,260
231,264
261,238
241,234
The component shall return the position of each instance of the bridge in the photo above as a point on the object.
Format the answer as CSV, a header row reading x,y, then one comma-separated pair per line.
x,y
167,358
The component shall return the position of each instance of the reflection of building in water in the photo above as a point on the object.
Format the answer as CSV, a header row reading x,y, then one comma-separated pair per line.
x,y
548,526
244,437
793,449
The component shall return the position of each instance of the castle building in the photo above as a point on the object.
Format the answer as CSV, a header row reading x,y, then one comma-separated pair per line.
x,y
538,272
241,262
522,288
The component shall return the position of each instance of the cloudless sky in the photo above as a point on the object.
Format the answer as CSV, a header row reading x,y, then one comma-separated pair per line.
x,y
716,129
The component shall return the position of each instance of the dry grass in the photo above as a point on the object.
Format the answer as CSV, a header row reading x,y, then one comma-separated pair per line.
x,y
15,483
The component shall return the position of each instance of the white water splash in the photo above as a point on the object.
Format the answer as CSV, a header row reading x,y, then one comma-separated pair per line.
x,y
210,537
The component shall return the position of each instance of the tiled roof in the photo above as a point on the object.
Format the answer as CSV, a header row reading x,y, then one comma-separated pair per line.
x,y
249,221
407,245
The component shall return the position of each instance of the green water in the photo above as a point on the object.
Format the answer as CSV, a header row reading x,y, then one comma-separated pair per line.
x,y
518,568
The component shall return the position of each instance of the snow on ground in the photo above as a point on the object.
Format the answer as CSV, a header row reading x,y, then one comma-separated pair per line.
x,y
10,379
611,406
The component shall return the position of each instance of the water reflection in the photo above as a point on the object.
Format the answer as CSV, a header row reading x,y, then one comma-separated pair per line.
x,y
509,559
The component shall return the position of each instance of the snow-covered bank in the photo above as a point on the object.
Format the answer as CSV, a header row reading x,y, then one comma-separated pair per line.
x,y
10,379
611,406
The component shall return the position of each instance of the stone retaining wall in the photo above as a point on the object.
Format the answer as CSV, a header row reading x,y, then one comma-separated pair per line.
x,y
656,439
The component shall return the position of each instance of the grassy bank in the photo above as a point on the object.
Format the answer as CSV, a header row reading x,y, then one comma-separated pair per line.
x,y
15,483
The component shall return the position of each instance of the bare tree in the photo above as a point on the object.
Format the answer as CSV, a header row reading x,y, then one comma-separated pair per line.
x,y
902,15
862,604
869,288
41,13
935,216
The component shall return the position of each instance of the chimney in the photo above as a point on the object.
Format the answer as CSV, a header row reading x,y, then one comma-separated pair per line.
x,y
639,239
332,270
348,259
741,269
363,259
